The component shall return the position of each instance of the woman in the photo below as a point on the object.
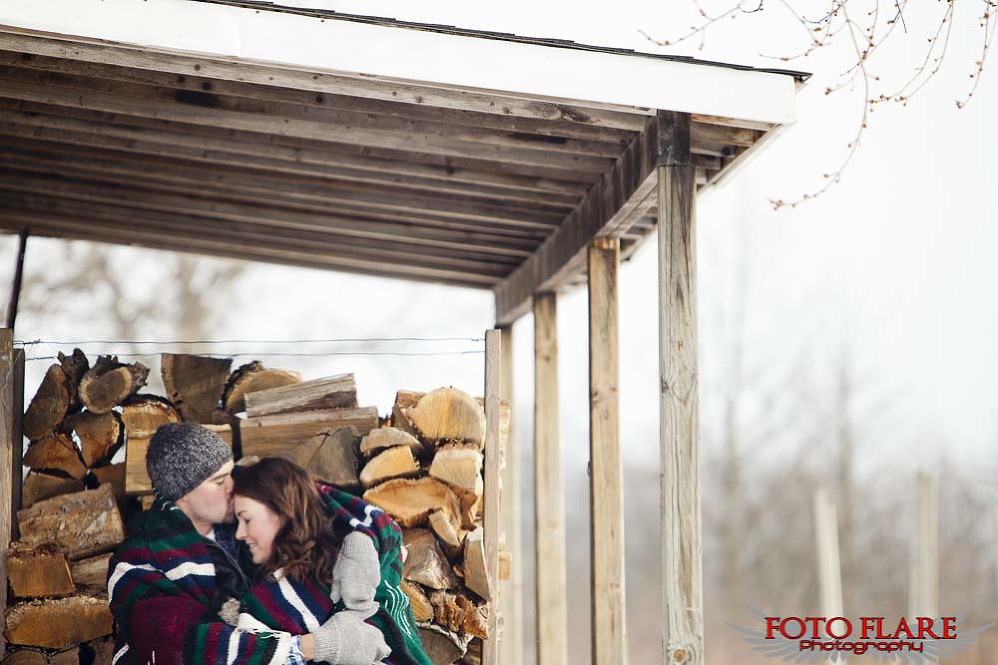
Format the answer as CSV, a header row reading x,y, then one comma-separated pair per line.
x,y
320,551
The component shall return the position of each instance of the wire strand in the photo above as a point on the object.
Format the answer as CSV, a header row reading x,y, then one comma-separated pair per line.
x,y
251,341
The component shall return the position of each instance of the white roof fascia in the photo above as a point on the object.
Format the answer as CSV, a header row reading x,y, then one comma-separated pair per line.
x,y
402,54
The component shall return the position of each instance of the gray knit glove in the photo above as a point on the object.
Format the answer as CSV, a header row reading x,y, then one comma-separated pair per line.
x,y
356,574
346,640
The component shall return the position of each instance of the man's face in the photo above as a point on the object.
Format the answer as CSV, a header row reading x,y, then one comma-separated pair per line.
x,y
211,501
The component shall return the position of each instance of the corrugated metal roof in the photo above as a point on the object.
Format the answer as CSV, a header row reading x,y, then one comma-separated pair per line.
x,y
328,14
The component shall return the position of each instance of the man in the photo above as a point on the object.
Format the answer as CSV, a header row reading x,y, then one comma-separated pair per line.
x,y
181,570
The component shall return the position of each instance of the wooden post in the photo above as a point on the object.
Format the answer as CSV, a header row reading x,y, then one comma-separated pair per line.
x,y
15,290
826,528
549,490
511,590
9,461
923,594
493,387
17,440
606,470
682,558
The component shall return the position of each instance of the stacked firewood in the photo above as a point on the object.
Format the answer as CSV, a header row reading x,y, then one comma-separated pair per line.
x,y
423,464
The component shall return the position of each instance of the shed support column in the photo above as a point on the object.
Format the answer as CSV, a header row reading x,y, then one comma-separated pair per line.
x,y
606,472
511,590
10,457
682,576
491,521
549,490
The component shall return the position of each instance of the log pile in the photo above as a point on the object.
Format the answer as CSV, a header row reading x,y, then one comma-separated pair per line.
x,y
425,468
423,464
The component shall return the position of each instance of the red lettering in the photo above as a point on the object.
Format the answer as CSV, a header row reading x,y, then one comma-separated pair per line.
x,y
815,626
843,620
869,623
902,625
925,628
783,628
949,628
772,623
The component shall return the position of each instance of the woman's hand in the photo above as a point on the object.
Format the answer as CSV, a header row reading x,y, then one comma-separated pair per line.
x,y
346,640
356,574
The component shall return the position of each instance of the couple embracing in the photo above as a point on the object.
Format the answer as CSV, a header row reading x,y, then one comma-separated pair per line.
x,y
255,565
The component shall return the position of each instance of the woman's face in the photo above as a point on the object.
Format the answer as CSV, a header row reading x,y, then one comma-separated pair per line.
x,y
258,525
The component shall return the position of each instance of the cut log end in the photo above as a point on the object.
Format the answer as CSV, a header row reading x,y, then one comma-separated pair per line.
x,y
194,383
253,377
109,383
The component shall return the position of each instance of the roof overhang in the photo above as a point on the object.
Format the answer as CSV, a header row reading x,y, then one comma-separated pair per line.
x,y
352,143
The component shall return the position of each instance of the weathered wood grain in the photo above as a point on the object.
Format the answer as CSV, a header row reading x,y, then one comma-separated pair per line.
x,y
549,489
607,473
682,583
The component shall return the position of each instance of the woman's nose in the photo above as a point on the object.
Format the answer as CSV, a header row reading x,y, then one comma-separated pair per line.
x,y
240,532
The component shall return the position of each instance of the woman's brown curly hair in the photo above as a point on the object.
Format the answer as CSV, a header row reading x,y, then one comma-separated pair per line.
x,y
307,543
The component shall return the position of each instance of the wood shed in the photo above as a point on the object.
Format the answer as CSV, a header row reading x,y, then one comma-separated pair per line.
x,y
305,137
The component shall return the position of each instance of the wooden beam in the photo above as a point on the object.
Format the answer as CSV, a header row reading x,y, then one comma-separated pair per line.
x,y
511,590
185,227
609,209
406,92
156,137
826,529
207,109
278,209
923,590
8,464
609,626
15,289
551,561
17,439
526,129
492,521
682,576
167,240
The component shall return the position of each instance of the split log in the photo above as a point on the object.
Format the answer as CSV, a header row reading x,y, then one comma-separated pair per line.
x,y
100,434
335,392
405,400
60,623
411,501
389,437
448,414
425,563
56,452
396,462
113,475
81,524
422,610
40,486
35,657
91,572
75,366
449,537
441,645
98,652
460,614
109,383
49,405
277,435
38,571
474,654
136,477
476,576
330,456
194,383
460,466
253,377
471,510
142,415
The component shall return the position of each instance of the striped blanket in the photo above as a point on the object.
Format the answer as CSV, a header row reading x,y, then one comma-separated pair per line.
x,y
301,607
161,586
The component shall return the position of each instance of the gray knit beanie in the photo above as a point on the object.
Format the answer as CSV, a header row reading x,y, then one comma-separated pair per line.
x,y
181,456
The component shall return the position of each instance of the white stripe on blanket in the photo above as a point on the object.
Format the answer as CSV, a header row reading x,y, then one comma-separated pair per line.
x,y
120,571
289,593
369,510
